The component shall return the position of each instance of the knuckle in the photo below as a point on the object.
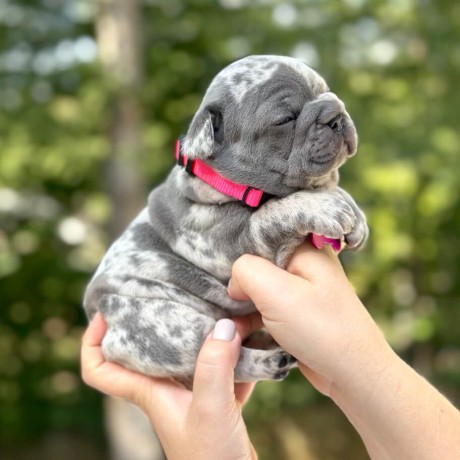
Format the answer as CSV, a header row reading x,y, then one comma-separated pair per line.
x,y
204,410
211,357
85,377
240,264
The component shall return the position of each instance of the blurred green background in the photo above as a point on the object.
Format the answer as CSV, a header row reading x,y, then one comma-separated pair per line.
x,y
86,130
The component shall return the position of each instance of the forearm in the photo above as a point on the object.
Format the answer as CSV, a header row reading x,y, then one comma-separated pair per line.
x,y
399,415
315,315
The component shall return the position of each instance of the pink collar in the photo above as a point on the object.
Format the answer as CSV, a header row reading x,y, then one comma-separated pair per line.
x,y
250,196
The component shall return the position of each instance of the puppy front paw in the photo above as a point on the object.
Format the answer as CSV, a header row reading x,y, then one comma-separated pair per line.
x,y
358,236
331,216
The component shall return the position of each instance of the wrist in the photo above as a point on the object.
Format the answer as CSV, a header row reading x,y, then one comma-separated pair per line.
x,y
398,414
363,372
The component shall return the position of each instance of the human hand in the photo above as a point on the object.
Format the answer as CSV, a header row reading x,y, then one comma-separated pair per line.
x,y
312,311
205,423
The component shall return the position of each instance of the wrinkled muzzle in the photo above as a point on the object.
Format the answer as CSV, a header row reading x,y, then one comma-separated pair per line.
x,y
325,137
334,115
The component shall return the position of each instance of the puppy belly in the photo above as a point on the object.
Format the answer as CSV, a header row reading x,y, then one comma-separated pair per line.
x,y
162,338
156,337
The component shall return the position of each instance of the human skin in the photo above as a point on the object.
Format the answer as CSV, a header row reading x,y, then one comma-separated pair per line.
x,y
204,424
313,312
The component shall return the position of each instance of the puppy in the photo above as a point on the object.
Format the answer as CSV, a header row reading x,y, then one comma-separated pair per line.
x,y
257,172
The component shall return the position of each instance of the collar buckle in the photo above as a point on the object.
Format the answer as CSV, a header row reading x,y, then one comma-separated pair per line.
x,y
183,160
249,196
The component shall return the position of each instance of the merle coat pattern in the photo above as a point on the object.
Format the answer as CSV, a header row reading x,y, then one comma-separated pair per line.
x,y
266,121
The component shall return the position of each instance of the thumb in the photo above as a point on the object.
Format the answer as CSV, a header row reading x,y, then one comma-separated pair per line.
x,y
264,283
214,373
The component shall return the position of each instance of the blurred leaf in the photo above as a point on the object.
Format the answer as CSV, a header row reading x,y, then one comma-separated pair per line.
x,y
394,63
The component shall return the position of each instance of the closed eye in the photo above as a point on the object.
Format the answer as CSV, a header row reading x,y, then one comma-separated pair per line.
x,y
285,121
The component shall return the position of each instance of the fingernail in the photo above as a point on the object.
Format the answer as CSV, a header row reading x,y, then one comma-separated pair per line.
x,y
229,285
224,329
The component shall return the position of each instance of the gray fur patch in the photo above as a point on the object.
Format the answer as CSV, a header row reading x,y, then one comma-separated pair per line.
x,y
163,284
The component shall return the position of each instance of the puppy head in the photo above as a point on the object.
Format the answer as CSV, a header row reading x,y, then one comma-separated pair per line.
x,y
272,123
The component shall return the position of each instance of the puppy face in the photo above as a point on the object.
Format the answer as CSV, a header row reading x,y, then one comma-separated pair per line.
x,y
272,123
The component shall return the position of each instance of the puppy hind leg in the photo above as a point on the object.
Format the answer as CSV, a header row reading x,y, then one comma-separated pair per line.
x,y
156,337
254,365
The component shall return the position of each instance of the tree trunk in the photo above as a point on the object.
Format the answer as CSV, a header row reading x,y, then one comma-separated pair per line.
x,y
118,27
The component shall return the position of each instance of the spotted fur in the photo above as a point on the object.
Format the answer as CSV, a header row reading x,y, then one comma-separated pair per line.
x,y
266,121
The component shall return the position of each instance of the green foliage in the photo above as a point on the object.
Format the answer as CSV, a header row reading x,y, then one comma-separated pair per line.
x,y
396,65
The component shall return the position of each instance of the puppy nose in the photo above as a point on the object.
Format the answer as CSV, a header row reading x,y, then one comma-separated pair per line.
x,y
331,111
336,122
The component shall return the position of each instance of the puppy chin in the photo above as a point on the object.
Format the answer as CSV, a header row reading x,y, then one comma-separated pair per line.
x,y
319,170
316,176
327,161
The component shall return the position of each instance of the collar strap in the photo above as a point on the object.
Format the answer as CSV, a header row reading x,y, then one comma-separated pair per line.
x,y
250,196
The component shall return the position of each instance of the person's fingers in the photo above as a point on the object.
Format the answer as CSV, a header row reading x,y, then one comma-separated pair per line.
x,y
243,391
246,325
107,377
261,281
264,283
214,378
95,331
214,373
256,278
314,264
169,398
165,402
91,355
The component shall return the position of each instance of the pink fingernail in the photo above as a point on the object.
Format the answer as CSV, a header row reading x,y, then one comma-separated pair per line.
x,y
224,329
319,241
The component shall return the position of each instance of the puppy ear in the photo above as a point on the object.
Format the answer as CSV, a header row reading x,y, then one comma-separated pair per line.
x,y
201,135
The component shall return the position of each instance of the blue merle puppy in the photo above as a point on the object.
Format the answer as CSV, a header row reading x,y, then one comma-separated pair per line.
x,y
257,172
